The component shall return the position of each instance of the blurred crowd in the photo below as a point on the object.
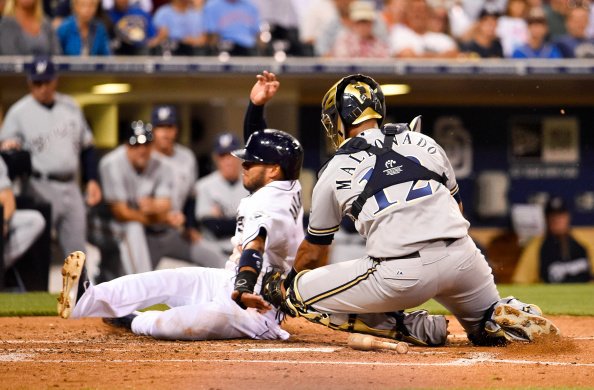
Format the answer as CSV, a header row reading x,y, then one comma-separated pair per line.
x,y
326,28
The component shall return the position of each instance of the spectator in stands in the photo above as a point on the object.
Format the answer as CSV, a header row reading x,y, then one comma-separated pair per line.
x,y
556,11
512,28
24,30
537,46
556,257
393,12
281,19
358,40
81,33
133,29
138,189
21,227
180,28
474,7
414,40
52,127
145,5
575,44
232,26
484,42
316,19
219,193
326,40
439,20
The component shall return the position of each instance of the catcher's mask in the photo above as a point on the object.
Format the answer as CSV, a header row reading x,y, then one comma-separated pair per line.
x,y
352,100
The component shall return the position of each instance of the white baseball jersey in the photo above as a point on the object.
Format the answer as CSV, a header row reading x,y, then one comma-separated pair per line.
x,y
54,137
394,221
185,169
277,209
122,183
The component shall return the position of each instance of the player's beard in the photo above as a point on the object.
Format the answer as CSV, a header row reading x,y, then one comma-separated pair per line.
x,y
254,182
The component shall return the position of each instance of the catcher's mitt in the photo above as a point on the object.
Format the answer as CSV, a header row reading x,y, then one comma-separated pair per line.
x,y
271,287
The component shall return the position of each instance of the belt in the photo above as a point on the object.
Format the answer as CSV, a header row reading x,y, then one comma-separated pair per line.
x,y
64,177
413,255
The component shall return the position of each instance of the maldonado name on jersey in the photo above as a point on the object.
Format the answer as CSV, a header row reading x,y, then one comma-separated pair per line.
x,y
391,169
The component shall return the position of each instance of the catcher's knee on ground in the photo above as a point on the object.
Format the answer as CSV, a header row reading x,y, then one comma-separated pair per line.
x,y
417,327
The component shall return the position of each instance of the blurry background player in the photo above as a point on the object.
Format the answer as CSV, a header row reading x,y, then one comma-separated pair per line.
x,y
52,127
556,257
219,194
139,188
21,227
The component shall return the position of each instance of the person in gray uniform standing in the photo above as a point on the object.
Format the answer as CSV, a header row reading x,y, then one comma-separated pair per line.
x,y
52,127
138,189
219,194
21,227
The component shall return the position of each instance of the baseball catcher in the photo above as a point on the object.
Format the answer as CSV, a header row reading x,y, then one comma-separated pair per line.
x,y
400,189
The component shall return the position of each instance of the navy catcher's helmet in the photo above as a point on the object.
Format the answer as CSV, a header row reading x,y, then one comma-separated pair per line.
x,y
352,100
270,146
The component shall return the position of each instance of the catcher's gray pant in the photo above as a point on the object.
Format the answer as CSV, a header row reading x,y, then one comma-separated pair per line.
x,y
24,228
68,211
141,251
200,302
455,275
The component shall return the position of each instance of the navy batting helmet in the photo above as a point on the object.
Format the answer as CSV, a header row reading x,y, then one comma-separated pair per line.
x,y
270,146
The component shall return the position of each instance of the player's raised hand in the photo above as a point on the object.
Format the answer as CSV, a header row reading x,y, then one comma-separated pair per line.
x,y
264,89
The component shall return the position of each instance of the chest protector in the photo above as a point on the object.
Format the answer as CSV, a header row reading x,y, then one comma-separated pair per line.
x,y
390,168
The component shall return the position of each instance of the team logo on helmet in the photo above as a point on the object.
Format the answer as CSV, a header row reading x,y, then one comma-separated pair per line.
x,y
351,101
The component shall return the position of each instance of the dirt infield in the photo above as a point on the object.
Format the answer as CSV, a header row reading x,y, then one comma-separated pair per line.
x,y
47,352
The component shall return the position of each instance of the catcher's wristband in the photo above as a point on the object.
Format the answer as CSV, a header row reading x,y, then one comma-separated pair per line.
x,y
245,281
289,279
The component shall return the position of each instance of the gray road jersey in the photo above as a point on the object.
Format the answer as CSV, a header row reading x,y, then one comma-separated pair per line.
x,y
54,137
400,219
121,182
4,179
213,190
185,169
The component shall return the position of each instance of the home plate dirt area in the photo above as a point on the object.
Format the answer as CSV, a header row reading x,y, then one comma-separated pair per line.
x,y
48,352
